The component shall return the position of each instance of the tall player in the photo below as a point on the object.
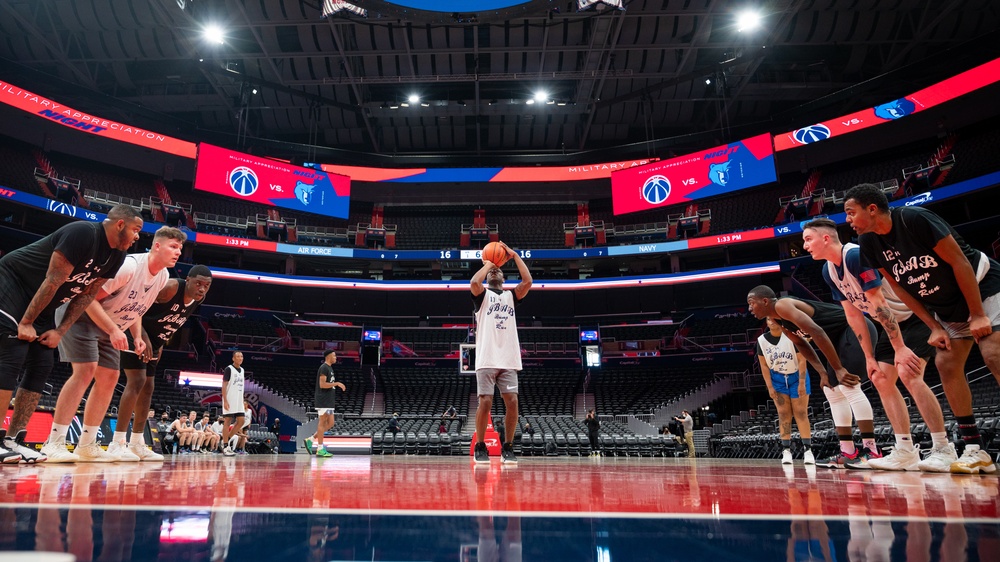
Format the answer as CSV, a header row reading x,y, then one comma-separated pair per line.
x,y
233,378
94,343
860,290
824,323
951,286
326,402
68,266
176,302
498,350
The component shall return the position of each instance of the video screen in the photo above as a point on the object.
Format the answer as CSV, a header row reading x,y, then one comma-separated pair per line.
x,y
371,335
467,359
590,335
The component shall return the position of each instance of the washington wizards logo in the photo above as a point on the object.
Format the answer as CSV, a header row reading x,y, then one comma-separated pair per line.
x,y
62,208
811,134
656,189
244,181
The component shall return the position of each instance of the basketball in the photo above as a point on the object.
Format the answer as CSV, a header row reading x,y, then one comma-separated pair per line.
x,y
495,253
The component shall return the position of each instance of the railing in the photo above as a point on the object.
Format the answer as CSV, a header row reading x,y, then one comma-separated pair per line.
x,y
219,220
111,199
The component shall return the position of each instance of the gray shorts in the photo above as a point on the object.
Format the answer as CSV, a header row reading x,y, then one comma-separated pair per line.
x,y
960,330
84,342
486,379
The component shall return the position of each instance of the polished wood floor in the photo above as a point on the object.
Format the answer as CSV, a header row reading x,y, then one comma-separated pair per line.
x,y
213,508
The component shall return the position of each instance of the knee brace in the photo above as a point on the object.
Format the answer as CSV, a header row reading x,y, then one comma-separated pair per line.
x,y
860,405
840,407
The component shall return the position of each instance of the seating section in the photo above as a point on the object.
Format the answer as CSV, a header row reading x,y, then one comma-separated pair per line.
x,y
17,166
425,391
298,384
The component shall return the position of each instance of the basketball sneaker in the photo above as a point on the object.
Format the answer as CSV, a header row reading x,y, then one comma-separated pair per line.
x,y
56,452
144,453
786,457
974,460
322,452
9,457
309,445
808,458
16,445
94,453
898,459
861,460
481,453
120,449
939,460
507,454
839,460
228,451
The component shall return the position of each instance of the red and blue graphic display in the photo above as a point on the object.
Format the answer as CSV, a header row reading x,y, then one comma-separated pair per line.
x,y
939,93
719,170
270,182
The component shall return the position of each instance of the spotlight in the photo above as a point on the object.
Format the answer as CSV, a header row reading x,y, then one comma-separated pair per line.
x,y
708,81
404,104
747,20
530,102
214,34
424,104
414,98
254,91
541,96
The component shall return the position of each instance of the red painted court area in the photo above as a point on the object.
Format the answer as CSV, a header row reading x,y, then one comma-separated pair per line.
x,y
182,499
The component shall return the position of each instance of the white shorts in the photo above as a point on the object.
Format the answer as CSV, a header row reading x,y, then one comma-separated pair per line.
x,y
325,411
960,330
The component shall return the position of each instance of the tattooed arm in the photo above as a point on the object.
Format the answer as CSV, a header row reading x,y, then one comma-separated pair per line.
x,y
906,361
73,311
58,272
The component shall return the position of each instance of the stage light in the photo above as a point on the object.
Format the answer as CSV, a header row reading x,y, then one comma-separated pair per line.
x,y
541,96
214,34
748,20
413,98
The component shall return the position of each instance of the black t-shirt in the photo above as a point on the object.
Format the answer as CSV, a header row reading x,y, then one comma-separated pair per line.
x,y
593,424
325,397
83,244
829,317
907,254
163,319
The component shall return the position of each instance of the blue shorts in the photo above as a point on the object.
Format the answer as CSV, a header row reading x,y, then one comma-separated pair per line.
x,y
788,384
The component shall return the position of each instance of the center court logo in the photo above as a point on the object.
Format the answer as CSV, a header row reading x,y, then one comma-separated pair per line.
x,y
62,208
244,181
656,190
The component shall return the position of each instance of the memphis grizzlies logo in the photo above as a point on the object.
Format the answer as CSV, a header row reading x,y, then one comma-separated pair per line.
x,y
244,181
62,208
811,134
304,192
719,173
895,109
656,190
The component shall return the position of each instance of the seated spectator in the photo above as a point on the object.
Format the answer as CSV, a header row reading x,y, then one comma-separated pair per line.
x,y
168,437
183,427
528,428
209,439
442,428
394,423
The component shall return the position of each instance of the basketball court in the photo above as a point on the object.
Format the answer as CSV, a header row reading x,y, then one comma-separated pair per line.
x,y
298,507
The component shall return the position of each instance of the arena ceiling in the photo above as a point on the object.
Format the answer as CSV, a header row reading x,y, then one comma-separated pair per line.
x,y
677,72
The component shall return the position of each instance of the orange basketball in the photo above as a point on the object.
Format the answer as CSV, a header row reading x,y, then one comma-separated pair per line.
x,y
495,253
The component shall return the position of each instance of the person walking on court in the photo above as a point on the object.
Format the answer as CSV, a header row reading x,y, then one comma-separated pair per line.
x,y
593,428
326,401
233,377
68,266
498,350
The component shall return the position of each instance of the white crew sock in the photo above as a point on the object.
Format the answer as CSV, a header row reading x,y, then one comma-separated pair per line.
x,y
89,435
120,437
58,433
904,442
939,440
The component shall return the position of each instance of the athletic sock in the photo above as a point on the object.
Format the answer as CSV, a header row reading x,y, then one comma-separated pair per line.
x,y
89,435
868,441
119,436
904,442
58,433
970,433
786,443
138,439
847,445
939,440
807,443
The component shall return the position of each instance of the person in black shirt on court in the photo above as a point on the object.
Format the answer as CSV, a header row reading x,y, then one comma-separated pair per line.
x,y
593,427
326,401
951,286
69,265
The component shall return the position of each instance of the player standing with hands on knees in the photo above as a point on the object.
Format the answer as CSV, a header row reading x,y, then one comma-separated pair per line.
x,y
498,350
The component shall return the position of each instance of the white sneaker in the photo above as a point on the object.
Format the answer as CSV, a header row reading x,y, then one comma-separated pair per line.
x,y
16,445
939,460
808,458
94,453
228,451
974,460
120,449
898,459
57,452
144,453
786,457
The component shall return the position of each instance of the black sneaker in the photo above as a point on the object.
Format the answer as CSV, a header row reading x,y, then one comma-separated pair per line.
x,y
507,454
481,453
16,445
